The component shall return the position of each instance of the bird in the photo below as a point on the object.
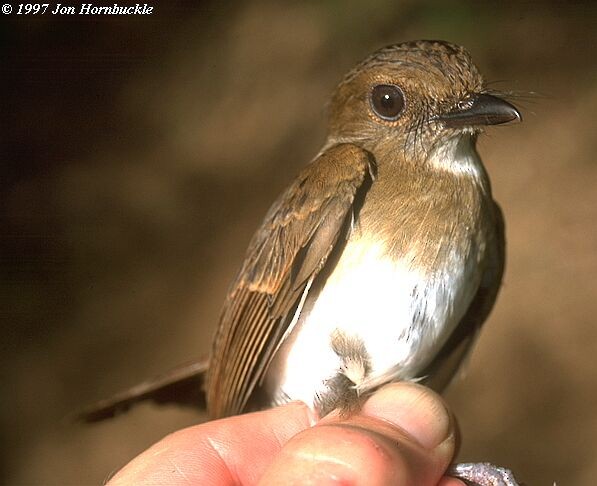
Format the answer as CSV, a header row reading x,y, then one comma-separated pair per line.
x,y
379,262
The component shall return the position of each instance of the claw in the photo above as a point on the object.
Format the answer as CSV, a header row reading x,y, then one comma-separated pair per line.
x,y
482,474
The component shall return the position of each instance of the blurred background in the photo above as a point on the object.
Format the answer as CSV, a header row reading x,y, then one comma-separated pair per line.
x,y
139,153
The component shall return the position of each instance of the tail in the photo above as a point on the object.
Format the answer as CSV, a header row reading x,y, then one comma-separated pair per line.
x,y
183,385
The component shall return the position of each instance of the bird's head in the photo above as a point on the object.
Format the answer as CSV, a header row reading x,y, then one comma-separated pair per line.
x,y
412,96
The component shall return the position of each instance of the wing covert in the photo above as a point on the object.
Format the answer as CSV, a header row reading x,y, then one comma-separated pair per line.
x,y
287,252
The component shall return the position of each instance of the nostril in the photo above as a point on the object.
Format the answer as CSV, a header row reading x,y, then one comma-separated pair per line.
x,y
465,104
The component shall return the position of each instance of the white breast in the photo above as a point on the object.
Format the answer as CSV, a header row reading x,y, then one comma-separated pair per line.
x,y
401,316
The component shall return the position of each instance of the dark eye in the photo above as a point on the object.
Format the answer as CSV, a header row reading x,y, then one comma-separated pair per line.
x,y
387,101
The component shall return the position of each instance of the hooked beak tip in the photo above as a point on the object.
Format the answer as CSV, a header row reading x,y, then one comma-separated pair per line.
x,y
483,109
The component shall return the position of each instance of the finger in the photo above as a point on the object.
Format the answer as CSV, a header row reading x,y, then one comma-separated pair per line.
x,y
404,435
449,481
230,451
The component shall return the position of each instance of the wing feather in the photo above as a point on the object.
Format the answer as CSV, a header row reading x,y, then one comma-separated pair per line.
x,y
291,247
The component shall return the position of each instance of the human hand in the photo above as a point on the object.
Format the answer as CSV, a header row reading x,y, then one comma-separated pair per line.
x,y
403,435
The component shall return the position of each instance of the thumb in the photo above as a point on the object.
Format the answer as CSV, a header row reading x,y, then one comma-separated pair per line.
x,y
403,435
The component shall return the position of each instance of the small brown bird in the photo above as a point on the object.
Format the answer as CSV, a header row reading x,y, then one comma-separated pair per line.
x,y
383,258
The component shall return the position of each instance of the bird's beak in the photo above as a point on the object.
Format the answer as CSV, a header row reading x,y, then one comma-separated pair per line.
x,y
482,109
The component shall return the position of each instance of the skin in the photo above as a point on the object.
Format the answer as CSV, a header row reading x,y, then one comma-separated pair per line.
x,y
403,435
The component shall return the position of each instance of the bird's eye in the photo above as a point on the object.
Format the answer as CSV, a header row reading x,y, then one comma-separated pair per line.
x,y
387,101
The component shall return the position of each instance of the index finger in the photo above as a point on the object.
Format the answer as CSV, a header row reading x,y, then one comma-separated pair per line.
x,y
235,450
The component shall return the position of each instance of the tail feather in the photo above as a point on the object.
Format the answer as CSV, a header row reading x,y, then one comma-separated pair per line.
x,y
183,385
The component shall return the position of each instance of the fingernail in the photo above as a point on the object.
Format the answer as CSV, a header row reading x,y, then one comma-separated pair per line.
x,y
417,410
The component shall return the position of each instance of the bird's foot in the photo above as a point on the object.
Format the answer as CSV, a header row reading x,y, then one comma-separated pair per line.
x,y
482,474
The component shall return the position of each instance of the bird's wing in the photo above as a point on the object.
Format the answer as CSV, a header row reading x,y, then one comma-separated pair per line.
x,y
444,366
287,252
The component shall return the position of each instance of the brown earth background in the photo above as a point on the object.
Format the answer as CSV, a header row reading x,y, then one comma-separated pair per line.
x,y
139,154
